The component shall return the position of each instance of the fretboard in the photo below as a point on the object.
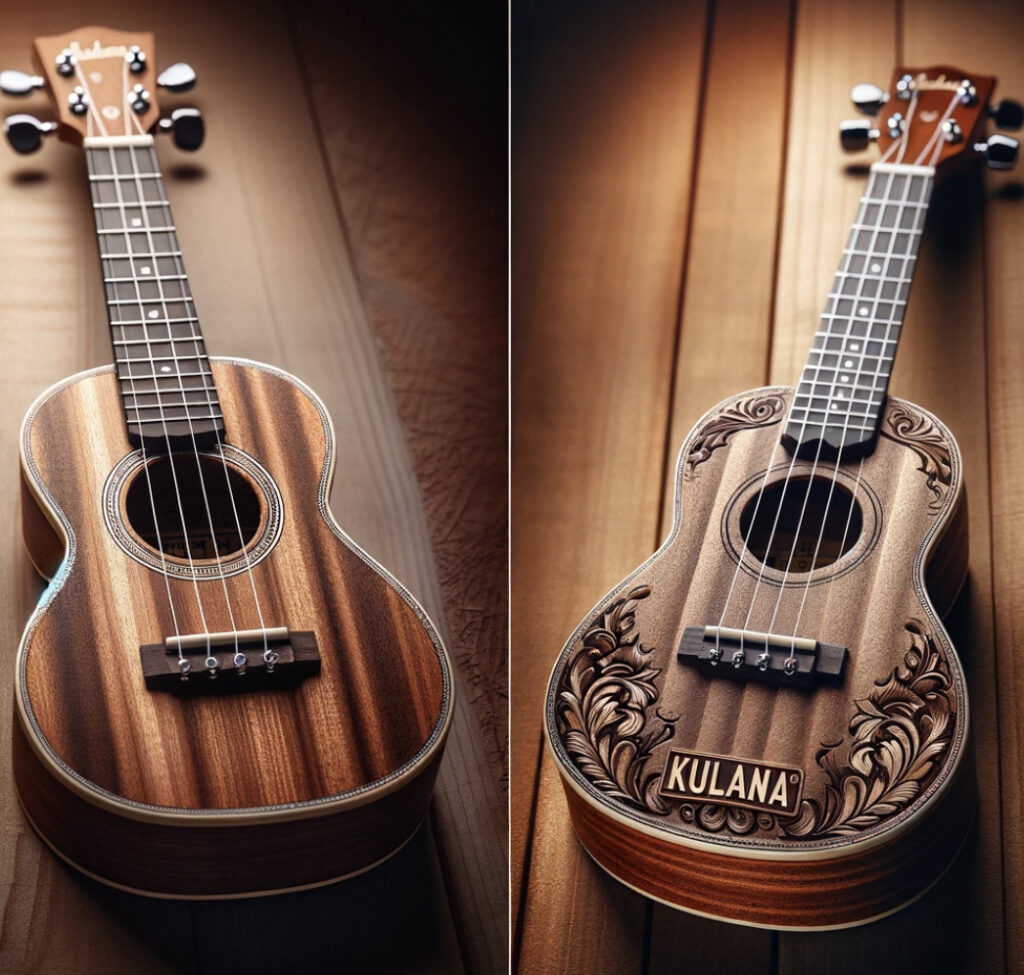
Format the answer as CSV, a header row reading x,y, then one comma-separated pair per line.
x,y
842,391
166,384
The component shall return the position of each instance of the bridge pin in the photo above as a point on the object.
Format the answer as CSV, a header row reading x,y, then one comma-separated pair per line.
x,y
270,657
762,661
738,658
185,667
241,662
716,655
789,666
211,667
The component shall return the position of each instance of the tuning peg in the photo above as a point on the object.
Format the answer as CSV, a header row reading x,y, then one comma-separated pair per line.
x,y
1008,114
19,83
856,134
25,132
1000,151
868,98
177,78
186,125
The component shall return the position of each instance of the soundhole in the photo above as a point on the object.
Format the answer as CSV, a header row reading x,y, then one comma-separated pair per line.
x,y
195,506
812,520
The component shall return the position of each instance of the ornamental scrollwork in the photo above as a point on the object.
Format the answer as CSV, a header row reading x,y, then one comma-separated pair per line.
x,y
743,414
921,435
899,734
602,703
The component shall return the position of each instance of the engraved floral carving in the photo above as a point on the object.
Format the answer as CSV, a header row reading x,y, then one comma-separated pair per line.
x,y
744,414
923,437
715,817
899,733
602,704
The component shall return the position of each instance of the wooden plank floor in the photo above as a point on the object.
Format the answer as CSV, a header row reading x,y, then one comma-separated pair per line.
x,y
326,231
679,205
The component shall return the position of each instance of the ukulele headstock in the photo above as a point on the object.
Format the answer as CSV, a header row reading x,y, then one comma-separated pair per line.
x,y
934,117
101,83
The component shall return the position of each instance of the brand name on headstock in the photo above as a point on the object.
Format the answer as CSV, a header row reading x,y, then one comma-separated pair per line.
x,y
923,83
732,782
97,51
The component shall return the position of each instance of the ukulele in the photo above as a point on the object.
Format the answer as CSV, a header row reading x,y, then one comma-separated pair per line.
x,y
219,694
766,722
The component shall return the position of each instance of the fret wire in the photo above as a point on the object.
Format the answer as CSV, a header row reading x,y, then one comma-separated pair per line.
x,y
156,406
809,426
871,277
819,333
176,338
154,392
872,298
145,301
163,358
138,203
176,419
145,278
854,386
107,231
157,321
864,372
887,230
913,206
104,178
138,257
164,375
838,415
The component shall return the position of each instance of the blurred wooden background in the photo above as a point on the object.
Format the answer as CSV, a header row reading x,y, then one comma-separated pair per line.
x,y
346,220
679,206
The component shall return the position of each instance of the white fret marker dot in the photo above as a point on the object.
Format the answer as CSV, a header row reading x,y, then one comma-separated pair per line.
x,y
165,368
848,363
835,406
154,314
146,269
863,310
876,268
136,222
845,379
855,346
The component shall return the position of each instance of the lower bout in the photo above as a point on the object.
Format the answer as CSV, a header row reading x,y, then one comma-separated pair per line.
x,y
805,894
238,860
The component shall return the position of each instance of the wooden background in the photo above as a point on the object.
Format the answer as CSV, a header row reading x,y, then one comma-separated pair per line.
x,y
346,220
679,206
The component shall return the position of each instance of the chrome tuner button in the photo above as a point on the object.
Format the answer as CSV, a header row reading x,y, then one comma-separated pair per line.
x,y
894,125
789,666
136,58
737,659
211,667
66,63
868,98
78,100
140,98
967,93
762,662
177,78
25,132
1000,151
856,134
18,83
241,662
951,131
905,88
184,667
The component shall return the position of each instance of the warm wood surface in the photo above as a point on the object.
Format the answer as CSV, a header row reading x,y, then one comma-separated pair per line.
x,y
625,333
278,276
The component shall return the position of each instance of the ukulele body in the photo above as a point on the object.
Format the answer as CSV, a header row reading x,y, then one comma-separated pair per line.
x,y
216,787
755,800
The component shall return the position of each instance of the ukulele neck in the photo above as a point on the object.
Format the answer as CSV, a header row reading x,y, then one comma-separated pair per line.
x,y
839,400
167,387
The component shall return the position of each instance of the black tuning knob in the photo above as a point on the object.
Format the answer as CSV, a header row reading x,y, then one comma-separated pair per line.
x,y
855,135
177,78
19,83
186,125
1000,151
1008,114
25,132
